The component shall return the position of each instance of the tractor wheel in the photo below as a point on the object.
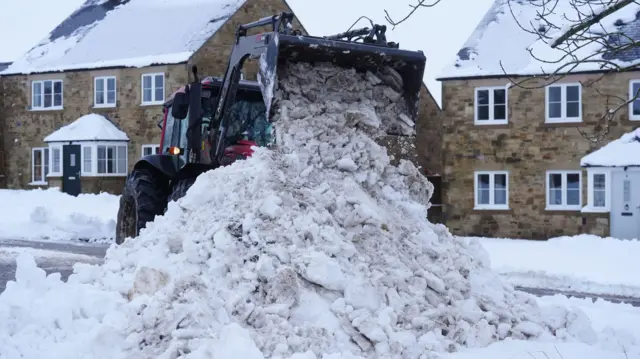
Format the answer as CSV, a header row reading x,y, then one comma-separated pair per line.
x,y
180,188
144,196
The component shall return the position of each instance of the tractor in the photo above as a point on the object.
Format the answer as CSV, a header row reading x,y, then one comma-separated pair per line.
x,y
213,122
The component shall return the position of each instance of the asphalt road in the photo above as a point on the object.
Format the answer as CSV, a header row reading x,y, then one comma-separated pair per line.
x,y
51,256
60,257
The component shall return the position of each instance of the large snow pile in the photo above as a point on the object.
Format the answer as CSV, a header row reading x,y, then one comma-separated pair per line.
x,y
54,215
316,249
583,263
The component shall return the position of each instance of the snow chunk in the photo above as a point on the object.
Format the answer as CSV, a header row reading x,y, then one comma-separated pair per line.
x,y
91,127
617,153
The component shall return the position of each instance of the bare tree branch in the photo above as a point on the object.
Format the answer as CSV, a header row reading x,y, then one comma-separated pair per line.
x,y
414,8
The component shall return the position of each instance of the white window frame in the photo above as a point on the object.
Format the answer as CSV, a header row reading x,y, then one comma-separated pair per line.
x,y
563,103
92,150
53,171
563,206
491,120
154,100
41,107
491,205
41,150
152,146
591,207
633,117
105,81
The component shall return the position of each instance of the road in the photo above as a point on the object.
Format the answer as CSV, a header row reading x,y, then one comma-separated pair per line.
x,y
60,257
50,256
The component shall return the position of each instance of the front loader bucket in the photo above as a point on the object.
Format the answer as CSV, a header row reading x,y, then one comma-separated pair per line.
x,y
401,69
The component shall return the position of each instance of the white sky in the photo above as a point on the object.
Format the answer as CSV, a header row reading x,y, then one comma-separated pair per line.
x,y
23,23
439,31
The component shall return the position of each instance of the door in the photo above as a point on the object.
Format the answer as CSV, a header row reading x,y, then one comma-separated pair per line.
x,y
625,205
71,169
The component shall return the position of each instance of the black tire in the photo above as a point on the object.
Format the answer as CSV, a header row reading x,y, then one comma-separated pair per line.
x,y
144,196
180,188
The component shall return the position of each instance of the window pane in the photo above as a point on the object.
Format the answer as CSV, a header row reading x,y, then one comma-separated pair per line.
x,y
57,99
159,81
500,196
555,110
573,109
37,94
147,95
48,94
499,97
159,95
36,168
483,112
634,94
99,98
555,94
636,107
146,82
483,196
598,181
483,97
46,161
111,159
555,181
86,159
573,196
55,154
599,198
573,180
499,112
122,159
102,159
555,196
483,181
111,84
57,87
100,85
146,151
627,190
573,93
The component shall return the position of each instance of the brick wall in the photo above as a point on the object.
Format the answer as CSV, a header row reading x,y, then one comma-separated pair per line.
x,y
527,148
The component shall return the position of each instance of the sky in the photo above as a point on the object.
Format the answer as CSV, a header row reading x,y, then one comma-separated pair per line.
x,y
439,31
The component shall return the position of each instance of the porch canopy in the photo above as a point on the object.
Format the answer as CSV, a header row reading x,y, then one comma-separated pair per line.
x,y
104,146
91,127
623,152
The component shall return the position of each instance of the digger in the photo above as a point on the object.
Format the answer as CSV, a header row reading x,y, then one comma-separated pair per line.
x,y
213,122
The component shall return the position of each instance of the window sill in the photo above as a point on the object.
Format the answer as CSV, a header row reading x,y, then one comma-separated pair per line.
x,y
562,120
38,183
634,118
588,209
491,208
104,175
104,106
152,103
490,122
46,109
54,175
563,208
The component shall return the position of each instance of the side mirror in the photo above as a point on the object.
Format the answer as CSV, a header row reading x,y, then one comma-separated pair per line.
x,y
180,106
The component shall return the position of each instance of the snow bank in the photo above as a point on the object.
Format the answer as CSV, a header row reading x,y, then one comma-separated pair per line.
x,y
583,263
51,214
318,249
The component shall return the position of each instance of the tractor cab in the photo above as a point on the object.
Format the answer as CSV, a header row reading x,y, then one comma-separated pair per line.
x,y
248,126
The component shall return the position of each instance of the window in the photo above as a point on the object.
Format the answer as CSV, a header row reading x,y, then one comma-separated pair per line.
x,y
150,150
112,159
56,160
564,103
152,88
104,94
634,106
39,165
491,106
564,190
492,190
46,94
598,197
87,160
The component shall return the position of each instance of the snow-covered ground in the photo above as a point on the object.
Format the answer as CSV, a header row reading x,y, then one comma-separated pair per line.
x,y
583,263
50,214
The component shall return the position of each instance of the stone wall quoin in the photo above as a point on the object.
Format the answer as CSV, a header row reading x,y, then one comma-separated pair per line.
x,y
527,147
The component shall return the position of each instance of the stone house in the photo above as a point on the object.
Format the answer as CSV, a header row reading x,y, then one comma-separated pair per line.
x,y
119,60
512,143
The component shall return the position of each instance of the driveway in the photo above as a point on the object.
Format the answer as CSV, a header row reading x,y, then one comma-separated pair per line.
x,y
51,256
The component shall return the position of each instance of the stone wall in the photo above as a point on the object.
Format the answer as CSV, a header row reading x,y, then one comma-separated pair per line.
x,y
96,185
527,147
25,128
3,169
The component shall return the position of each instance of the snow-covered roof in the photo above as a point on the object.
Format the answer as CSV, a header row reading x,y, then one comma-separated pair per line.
x,y
4,65
25,22
91,127
622,152
127,33
500,40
